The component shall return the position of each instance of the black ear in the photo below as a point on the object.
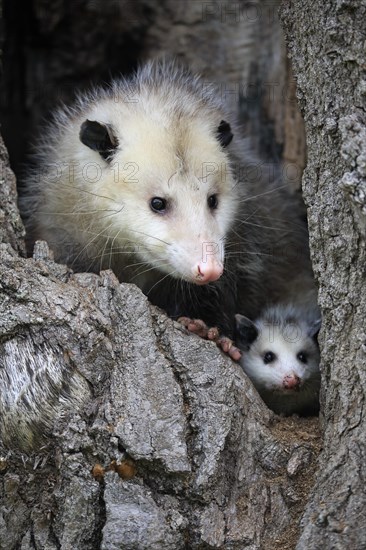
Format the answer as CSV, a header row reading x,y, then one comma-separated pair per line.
x,y
314,328
224,133
98,137
246,332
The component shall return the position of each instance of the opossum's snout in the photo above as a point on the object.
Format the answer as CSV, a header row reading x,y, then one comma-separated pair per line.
x,y
195,262
206,272
291,382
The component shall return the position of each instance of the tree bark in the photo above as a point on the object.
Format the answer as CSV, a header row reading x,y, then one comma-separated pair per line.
x,y
119,430
327,48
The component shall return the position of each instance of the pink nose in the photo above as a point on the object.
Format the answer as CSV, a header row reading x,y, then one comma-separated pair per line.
x,y
291,382
208,271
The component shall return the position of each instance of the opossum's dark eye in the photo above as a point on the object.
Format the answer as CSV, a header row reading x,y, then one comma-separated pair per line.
x,y
269,357
158,204
213,202
224,133
302,357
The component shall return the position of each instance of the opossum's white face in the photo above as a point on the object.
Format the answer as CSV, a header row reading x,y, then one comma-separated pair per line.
x,y
172,190
279,359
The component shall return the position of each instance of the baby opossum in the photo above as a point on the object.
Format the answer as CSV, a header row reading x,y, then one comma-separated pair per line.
x,y
144,177
280,355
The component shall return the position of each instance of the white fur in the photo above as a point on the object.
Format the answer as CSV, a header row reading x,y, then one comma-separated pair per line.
x,y
271,376
285,330
166,126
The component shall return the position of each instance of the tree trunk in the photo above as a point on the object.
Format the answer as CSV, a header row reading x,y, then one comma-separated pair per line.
x,y
118,429
327,48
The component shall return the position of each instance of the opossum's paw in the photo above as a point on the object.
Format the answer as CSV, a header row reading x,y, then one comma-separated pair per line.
x,y
228,347
200,328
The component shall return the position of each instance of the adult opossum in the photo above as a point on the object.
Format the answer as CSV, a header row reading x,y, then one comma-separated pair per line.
x,y
280,355
144,177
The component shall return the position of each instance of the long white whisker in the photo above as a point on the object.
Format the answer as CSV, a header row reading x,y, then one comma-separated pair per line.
x,y
87,192
77,212
102,255
111,249
87,245
150,268
252,197
161,280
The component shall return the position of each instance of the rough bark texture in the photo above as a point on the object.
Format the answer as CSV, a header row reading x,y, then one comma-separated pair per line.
x,y
209,466
11,226
327,47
